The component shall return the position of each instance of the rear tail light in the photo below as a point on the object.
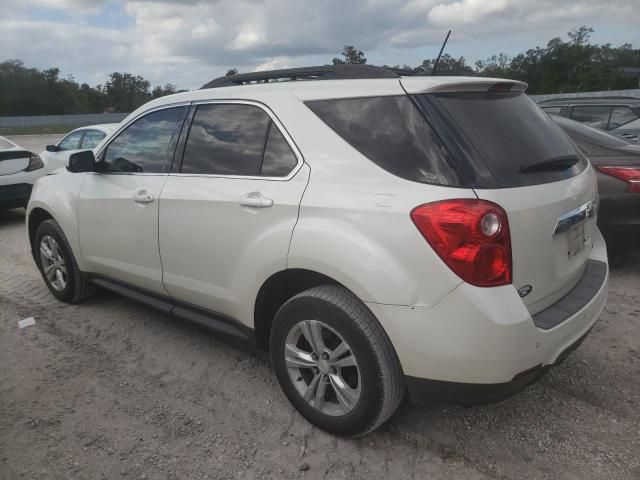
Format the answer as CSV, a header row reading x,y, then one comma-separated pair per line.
x,y
35,162
631,175
471,236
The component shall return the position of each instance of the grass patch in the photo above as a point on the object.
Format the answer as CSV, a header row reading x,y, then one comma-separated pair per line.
x,y
38,130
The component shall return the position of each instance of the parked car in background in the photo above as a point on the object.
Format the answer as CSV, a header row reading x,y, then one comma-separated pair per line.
x,y
376,235
83,138
617,164
617,115
19,169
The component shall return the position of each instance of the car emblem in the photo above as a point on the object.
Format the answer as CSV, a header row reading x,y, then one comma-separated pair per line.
x,y
524,290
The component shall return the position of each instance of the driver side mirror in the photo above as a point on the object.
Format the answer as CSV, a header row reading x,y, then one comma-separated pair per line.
x,y
82,162
52,148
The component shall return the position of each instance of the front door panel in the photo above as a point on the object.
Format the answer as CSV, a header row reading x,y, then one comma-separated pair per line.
x,y
118,218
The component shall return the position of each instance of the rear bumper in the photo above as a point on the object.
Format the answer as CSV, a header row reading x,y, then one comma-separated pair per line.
x,y
15,196
422,391
484,339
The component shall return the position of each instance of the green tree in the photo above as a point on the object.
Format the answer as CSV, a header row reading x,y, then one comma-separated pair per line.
x,y
167,89
231,71
351,56
126,92
447,65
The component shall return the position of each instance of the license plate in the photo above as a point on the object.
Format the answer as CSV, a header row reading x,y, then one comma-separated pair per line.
x,y
576,239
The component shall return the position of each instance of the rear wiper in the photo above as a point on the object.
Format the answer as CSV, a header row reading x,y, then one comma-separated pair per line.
x,y
562,162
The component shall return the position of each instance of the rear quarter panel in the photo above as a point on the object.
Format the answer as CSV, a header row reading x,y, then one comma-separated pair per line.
x,y
355,225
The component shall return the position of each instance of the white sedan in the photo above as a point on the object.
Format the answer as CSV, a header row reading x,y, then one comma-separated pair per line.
x,y
19,169
83,138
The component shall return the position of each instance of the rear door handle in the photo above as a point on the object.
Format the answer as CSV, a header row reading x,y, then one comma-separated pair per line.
x,y
255,200
143,197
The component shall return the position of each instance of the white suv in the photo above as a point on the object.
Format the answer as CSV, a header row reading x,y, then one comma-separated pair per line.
x,y
429,235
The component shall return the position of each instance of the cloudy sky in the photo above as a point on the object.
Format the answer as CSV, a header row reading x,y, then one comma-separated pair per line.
x,y
189,42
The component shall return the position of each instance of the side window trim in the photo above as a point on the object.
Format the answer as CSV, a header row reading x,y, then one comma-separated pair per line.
x,y
265,140
273,120
100,155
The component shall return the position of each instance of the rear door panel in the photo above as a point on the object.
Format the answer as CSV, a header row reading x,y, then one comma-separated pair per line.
x,y
215,252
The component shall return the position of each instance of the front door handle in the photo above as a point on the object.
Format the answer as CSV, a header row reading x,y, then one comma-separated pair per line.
x,y
143,197
255,200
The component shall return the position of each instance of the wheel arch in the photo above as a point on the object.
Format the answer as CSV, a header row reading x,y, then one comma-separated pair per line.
x,y
279,288
36,216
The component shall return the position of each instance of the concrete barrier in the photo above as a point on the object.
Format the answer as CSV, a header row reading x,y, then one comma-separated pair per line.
x,y
76,120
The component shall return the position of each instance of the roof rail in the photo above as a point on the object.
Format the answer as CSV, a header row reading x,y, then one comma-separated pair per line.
x,y
326,72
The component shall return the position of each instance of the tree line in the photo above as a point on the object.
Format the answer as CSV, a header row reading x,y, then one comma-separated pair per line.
x,y
574,65
29,91
571,65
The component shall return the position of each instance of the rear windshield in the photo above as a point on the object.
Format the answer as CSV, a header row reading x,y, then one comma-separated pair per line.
x,y
495,135
393,134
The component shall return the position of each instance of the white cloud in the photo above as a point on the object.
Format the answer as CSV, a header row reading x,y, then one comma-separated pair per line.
x,y
159,38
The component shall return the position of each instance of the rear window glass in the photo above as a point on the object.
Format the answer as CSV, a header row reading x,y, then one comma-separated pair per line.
x,y
497,134
393,134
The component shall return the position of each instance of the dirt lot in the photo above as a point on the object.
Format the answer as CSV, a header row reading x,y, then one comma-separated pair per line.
x,y
112,389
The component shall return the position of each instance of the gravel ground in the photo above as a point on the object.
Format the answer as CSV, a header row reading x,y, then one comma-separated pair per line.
x,y
112,389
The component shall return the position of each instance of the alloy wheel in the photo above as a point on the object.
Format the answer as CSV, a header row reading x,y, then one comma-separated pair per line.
x,y
53,263
323,368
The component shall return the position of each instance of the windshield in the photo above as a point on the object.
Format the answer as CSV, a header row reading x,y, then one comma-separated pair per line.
x,y
495,135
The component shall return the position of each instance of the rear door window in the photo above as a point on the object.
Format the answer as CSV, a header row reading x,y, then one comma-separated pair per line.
x,y
392,133
592,115
226,139
236,140
496,134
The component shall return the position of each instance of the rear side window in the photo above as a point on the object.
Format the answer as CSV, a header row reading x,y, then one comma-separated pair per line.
x,y
498,134
621,116
593,115
236,139
391,132
552,110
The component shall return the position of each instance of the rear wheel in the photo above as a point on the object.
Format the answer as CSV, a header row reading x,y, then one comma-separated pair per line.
x,y
57,264
334,361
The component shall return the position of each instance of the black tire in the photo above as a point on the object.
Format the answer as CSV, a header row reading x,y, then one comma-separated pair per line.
x,y
77,288
381,378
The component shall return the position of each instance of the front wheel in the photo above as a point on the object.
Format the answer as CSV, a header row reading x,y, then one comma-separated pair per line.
x,y
57,264
334,361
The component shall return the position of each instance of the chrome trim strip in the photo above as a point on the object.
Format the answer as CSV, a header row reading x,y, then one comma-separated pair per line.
x,y
575,216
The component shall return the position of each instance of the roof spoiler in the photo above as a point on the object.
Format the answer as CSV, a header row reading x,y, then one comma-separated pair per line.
x,y
414,85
